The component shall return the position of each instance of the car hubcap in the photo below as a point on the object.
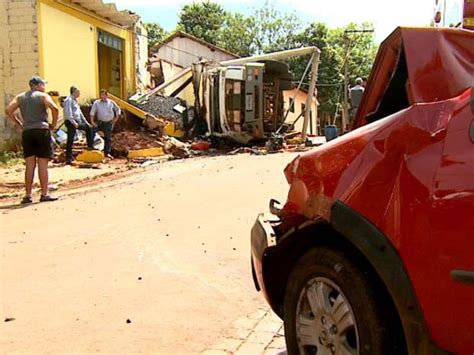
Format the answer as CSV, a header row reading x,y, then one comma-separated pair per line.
x,y
325,322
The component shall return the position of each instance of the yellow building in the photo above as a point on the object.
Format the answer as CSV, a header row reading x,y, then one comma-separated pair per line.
x,y
81,42
297,111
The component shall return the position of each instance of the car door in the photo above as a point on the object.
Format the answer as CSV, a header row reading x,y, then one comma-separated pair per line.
x,y
451,315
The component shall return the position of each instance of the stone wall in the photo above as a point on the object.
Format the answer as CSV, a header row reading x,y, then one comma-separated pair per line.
x,y
19,59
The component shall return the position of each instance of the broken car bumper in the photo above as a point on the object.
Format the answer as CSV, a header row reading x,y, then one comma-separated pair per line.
x,y
262,240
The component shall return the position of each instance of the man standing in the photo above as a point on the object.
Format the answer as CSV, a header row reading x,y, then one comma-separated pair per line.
x,y
75,120
104,114
356,93
36,136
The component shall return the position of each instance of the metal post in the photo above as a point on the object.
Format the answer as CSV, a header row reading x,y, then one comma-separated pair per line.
x,y
345,112
311,92
444,13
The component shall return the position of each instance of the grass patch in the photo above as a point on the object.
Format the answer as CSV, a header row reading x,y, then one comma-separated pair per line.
x,y
10,158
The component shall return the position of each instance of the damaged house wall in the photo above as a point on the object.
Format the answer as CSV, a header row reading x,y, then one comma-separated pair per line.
x,y
141,57
183,50
107,51
180,51
37,36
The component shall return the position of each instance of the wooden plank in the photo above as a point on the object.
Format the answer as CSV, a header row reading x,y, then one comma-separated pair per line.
x,y
124,105
181,74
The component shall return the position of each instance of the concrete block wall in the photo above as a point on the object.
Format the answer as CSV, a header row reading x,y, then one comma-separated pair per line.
x,y
19,58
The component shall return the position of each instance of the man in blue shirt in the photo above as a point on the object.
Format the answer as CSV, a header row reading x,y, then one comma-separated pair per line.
x,y
75,120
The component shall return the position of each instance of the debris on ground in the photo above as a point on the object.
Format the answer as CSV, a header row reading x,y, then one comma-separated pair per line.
x,y
200,145
253,150
91,156
88,166
147,152
125,141
161,107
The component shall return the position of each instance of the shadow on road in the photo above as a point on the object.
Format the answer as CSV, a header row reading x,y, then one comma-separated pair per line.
x,y
17,206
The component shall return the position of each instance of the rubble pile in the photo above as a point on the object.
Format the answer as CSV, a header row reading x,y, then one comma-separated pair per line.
x,y
125,141
161,107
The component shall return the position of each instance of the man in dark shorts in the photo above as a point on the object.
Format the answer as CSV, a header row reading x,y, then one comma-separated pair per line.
x,y
36,137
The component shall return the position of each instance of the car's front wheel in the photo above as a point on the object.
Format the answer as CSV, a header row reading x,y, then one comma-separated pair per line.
x,y
330,308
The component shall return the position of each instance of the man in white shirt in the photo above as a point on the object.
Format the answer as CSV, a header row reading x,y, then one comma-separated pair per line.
x,y
104,114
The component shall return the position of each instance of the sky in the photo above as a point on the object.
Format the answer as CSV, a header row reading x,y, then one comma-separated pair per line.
x,y
386,15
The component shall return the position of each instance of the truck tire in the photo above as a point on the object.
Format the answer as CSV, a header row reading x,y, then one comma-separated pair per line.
x,y
330,308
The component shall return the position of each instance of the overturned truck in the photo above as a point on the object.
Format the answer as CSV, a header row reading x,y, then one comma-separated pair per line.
x,y
242,99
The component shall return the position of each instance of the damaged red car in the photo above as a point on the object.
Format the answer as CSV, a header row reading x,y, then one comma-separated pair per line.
x,y
373,251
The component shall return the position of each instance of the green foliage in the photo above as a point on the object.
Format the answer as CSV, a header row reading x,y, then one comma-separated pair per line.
x,y
156,33
238,34
337,46
274,30
203,20
270,30
9,158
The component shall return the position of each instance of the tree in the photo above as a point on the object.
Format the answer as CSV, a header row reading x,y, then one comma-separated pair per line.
x,y
237,34
274,30
203,20
336,47
156,33
270,30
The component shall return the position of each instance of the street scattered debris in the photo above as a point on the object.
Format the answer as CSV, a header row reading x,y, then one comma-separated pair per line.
x,y
162,107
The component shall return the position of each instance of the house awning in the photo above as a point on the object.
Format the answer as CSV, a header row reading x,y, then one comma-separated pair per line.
x,y
123,18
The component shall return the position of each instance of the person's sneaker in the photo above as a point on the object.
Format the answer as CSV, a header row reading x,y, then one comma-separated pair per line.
x,y
26,199
110,156
48,198
68,162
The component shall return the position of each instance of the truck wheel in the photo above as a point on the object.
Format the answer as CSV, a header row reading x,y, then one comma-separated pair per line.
x,y
330,308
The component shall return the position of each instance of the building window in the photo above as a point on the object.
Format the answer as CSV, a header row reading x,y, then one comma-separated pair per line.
x,y
292,105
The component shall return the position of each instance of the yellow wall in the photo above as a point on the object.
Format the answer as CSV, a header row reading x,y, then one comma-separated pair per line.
x,y
68,49
300,98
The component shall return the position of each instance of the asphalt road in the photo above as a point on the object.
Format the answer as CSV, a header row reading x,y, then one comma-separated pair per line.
x,y
154,263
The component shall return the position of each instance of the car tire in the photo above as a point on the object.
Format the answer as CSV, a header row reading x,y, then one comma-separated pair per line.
x,y
332,278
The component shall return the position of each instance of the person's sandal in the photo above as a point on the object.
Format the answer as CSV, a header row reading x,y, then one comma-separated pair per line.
x,y
26,199
48,198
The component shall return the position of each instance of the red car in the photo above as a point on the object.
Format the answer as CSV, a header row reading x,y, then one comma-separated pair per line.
x,y
373,252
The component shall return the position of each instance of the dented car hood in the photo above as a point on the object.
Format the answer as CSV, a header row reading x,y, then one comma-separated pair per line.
x,y
371,168
426,64
420,84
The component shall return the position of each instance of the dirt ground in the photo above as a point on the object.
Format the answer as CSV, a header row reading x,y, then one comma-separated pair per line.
x,y
157,262
60,175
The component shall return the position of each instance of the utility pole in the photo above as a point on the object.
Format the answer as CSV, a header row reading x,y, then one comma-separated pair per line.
x,y
311,92
345,106
347,49
444,14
